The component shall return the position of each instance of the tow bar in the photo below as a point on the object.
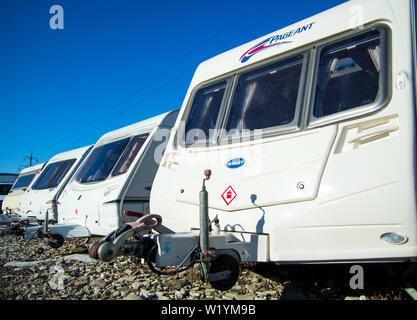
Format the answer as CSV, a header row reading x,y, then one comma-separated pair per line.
x,y
175,252
116,244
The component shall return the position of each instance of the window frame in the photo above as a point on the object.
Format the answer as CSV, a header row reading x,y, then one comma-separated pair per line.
x,y
384,83
33,174
229,79
128,138
232,79
293,126
53,177
112,173
303,117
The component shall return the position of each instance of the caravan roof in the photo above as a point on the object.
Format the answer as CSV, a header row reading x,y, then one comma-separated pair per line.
x,y
289,38
162,120
26,176
33,168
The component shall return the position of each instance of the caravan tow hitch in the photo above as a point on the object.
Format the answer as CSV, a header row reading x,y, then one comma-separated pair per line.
x,y
116,243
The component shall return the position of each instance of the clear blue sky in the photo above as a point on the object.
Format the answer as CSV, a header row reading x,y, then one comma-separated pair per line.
x,y
114,63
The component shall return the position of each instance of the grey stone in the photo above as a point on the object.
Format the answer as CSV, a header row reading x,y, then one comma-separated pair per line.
x,y
194,294
23,264
132,296
126,279
81,258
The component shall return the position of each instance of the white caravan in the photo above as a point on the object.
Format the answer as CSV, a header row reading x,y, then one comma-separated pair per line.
x,y
117,176
26,177
41,197
310,134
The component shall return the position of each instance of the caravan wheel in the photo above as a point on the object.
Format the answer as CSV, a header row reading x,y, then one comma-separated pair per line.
x,y
93,248
225,262
55,240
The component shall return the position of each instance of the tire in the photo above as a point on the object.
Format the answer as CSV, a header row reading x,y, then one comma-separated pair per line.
x,y
222,263
93,248
56,240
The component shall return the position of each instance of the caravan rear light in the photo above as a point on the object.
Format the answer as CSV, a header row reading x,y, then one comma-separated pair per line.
x,y
394,238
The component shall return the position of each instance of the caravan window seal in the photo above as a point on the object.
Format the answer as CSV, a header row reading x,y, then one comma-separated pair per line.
x,y
41,184
211,140
303,116
384,82
123,164
295,125
101,173
219,138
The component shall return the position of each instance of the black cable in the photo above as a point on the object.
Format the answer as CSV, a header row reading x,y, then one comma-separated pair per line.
x,y
176,270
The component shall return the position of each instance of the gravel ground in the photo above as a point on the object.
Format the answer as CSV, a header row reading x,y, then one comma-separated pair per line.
x,y
31,270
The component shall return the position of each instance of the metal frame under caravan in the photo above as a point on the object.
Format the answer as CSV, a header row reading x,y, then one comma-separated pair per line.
x,y
39,201
23,182
115,177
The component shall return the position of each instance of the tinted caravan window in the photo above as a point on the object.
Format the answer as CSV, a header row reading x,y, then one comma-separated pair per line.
x,y
129,154
101,161
349,74
23,181
266,97
204,112
52,175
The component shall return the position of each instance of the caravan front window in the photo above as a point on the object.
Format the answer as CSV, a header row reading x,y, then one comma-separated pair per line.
x,y
101,161
204,112
349,74
52,175
23,181
129,154
266,97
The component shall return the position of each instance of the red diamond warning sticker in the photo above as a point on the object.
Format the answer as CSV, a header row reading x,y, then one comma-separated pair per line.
x,y
228,195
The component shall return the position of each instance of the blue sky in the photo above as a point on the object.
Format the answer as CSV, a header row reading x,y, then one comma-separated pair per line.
x,y
114,63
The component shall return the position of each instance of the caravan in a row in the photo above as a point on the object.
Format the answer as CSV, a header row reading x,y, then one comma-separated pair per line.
x,y
11,202
117,176
41,198
86,191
